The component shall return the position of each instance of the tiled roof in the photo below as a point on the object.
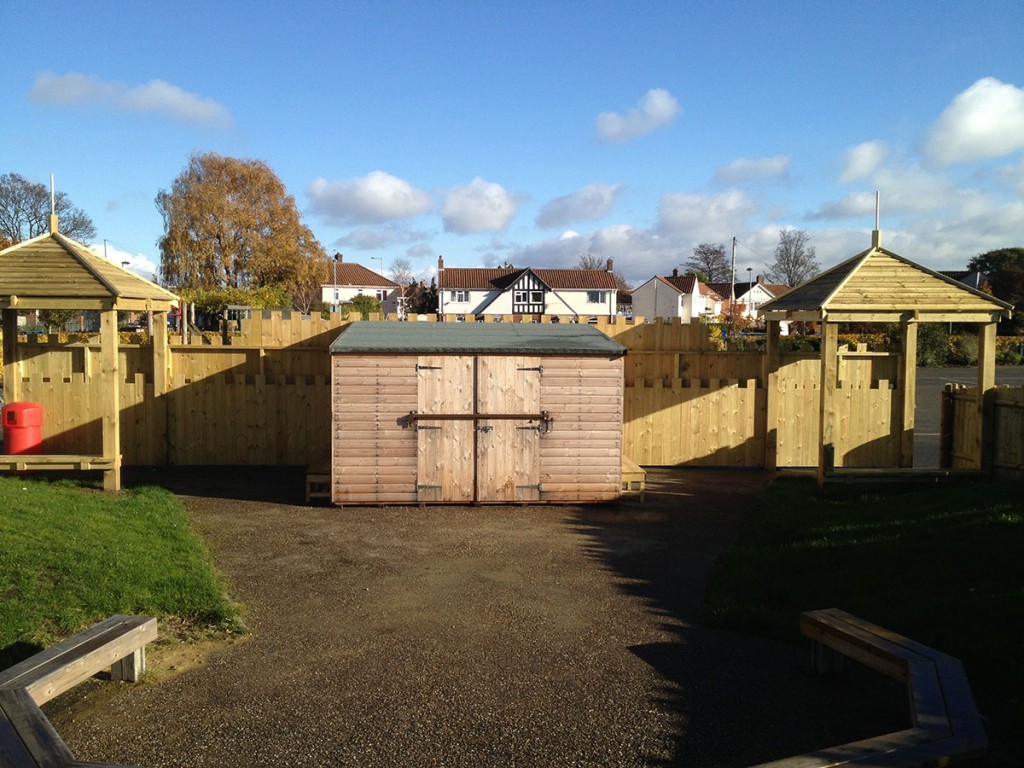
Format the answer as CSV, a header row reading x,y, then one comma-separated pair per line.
x,y
483,279
683,283
358,275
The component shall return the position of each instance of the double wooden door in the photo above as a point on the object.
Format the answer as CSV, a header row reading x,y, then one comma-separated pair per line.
x,y
462,455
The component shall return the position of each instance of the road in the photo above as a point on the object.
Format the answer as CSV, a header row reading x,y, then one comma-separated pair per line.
x,y
930,382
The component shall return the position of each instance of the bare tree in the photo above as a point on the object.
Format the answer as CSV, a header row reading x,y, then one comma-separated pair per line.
x,y
589,261
25,211
401,270
794,258
709,260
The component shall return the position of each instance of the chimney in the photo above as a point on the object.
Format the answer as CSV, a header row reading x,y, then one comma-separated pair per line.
x,y
675,271
338,257
440,263
760,279
609,267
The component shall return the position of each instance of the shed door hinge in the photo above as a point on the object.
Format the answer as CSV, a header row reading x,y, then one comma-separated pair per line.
x,y
420,427
427,367
539,369
428,487
536,487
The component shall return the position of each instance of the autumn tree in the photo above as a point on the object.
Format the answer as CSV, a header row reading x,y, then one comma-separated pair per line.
x,y
709,260
230,223
25,212
794,258
307,292
1004,271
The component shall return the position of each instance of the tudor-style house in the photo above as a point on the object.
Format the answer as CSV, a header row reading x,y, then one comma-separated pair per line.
x,y
350,280
682,296
525,291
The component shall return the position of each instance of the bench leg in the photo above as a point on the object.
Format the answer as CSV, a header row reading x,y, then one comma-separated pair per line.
x,y
824,660
131,667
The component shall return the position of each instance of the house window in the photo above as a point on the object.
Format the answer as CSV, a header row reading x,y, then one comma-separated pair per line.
x,y
536,297
382,294
460,296
597,297
519,297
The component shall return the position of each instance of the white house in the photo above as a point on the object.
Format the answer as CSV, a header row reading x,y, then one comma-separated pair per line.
x,y
682,296
351,280
750,296
525,291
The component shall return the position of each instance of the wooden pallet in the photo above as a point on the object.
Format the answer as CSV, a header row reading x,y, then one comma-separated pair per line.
x,y
634,478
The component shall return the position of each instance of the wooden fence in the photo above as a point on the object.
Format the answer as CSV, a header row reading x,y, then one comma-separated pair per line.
x,y
264,398
961,444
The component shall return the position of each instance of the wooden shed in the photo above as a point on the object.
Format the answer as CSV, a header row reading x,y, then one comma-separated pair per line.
x,y
475,413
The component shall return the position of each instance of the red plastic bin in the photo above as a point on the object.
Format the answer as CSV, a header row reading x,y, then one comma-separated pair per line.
x,y
23,428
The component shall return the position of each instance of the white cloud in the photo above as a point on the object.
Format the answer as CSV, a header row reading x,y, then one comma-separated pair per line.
x,y
589,203
744,170
479,206
370,238
155,97
985,121
861,161
378,196
657,108
139,263
711,218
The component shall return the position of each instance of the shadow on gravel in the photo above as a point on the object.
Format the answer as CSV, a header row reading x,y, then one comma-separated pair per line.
x,y
740,700
275,485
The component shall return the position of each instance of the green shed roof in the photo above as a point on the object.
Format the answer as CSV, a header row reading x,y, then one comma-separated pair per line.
x,y
475,338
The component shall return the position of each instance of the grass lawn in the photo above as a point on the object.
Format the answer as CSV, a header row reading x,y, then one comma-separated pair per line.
x,y
942,565
73,556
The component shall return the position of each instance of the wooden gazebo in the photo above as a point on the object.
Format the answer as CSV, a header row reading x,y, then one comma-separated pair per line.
x,y
53,272
879,286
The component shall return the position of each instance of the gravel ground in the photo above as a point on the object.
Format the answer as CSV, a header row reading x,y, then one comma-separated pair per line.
x,y
473,636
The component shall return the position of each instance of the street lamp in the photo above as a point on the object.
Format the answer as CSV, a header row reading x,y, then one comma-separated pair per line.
x,y
334,283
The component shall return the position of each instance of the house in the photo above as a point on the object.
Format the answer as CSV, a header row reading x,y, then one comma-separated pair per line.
x,y
682,296
525,291
351,280
750,295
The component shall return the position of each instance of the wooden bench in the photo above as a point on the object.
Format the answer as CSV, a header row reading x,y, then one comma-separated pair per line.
x,y
27,737
945,726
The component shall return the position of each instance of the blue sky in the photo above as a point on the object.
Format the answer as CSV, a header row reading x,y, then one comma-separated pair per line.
x,y
533,132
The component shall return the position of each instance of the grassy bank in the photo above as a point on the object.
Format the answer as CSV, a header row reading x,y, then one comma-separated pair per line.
x,y
944,566
72,556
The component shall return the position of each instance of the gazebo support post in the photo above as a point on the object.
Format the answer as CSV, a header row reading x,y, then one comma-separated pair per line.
x,y
769,375
907,389
986,393
162,375
12,367
827,409
110,392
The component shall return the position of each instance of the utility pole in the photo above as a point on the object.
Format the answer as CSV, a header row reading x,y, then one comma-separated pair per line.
x,y
732,281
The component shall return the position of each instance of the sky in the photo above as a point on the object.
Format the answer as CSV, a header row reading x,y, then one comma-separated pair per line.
x,y
531,133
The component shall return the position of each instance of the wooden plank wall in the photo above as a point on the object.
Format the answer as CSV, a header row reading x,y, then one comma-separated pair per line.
x,y
374,454
581,457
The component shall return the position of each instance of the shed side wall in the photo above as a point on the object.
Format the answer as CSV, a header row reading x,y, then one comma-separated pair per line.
x,y
373,455
581,457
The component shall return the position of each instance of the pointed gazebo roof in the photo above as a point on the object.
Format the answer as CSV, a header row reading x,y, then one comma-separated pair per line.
x,y
878,285
52,271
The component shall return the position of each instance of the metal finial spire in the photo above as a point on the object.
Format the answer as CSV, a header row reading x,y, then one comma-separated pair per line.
x,y
876,236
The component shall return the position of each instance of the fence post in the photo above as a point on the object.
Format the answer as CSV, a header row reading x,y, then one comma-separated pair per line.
x,y
946,422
